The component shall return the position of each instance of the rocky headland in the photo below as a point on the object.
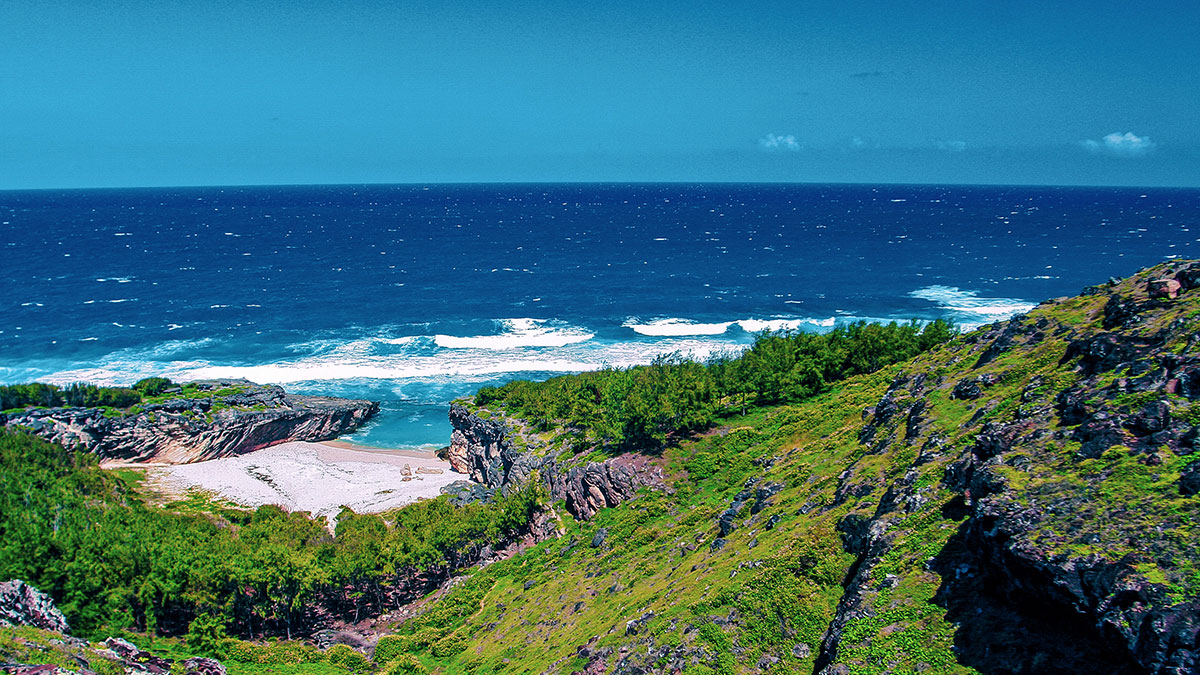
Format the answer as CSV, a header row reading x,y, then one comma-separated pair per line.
x,y
200,421
501,453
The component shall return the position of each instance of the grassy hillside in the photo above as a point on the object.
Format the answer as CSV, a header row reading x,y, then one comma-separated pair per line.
x,y
865,561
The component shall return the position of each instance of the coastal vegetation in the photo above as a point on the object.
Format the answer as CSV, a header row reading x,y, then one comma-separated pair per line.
x,y
82,394
643,407
113,561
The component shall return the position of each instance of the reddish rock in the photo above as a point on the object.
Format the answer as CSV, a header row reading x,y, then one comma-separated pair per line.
x,y
24,605
1164,288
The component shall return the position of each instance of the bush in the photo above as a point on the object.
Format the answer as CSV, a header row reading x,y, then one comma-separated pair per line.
x,y
206,635
152,386
450,645
290,652
389,648
244,652
646,407
348,658
404,664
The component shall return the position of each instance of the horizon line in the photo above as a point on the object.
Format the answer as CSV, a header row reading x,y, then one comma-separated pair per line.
x,y
594,182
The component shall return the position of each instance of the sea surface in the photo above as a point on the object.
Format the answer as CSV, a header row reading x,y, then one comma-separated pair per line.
x,y
414,295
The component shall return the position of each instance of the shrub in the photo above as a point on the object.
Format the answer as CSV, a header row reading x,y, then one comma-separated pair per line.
x,y
244,652
348,658
206,635
405,664
450,645
152,386
290,652
389,648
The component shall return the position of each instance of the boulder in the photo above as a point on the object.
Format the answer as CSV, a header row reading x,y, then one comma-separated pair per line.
x,y
24,605
201,666
1164,288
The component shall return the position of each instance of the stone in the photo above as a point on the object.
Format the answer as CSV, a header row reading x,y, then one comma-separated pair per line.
x,y
1189,479
24,605
201,666
1188,277
967,389
635,626
137,660
1164,288
599,537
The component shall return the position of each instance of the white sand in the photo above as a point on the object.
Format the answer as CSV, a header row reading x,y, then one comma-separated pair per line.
x,y
313,477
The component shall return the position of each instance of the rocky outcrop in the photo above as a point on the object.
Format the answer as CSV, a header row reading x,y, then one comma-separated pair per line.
x,y
114,655
484,449
219,419
1074,549
24,605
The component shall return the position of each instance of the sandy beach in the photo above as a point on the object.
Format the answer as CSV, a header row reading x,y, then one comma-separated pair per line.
x,y
316,477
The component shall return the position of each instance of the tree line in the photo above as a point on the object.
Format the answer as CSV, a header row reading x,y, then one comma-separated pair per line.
x,y
644,407
80,394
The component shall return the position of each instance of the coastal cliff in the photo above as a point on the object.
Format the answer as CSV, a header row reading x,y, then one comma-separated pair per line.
x,y
214,419
500,457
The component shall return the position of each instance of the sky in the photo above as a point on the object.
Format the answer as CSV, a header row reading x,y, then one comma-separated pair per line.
x,y
124,93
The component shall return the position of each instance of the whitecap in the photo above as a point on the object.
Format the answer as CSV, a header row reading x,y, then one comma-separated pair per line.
x,y
673,327
360,359
519,333
759,325
968,308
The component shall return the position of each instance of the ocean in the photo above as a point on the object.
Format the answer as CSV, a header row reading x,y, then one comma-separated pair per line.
x,y
414,295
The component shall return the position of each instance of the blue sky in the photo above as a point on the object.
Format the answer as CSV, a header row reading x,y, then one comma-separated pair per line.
x,y
170,92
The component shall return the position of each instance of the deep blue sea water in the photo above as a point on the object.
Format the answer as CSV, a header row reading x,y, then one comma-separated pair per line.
x,y
416,294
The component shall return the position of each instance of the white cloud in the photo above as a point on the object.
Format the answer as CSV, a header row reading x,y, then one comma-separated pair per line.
x,y
1120,145
778,142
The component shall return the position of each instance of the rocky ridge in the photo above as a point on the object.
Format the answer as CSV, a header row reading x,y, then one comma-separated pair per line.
x,y
222,418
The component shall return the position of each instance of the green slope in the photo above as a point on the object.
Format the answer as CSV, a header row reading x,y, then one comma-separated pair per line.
x,y
865,561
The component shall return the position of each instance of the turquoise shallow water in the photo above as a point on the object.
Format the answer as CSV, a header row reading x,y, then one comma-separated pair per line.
x,y
413,295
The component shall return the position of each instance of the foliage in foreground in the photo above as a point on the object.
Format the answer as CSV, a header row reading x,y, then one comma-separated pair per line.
x,y
113,562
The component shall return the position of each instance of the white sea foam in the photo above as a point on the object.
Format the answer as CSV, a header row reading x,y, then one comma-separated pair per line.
x,y
376,358
673,327
676,327
970,310
519,333
759,325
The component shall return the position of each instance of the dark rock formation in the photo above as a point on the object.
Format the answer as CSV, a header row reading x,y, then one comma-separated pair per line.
x,y
1164,288
198,665
484,450
187,430
136,660
24,605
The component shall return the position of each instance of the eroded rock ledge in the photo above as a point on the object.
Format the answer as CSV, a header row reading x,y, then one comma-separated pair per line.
x,y
235,417
483,449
